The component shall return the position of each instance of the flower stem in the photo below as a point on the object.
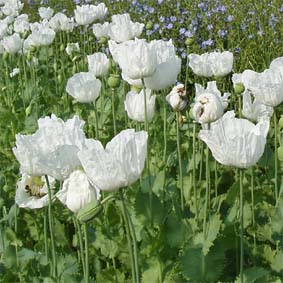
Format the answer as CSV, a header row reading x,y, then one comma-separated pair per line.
x,y
45,232
252,199
113,111
79,231
275,156
241,228
164,146
206,191
127,228
96,122
86,254
194,171
180,161
51,228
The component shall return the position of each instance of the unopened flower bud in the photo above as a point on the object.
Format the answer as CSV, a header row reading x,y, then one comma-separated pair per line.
x,y
5,55
149,25
59,78
103,40
239,88
189,41
90,211
32,48
62,47
177,98
114,81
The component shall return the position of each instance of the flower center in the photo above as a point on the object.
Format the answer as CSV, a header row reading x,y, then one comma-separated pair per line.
x,y
33,187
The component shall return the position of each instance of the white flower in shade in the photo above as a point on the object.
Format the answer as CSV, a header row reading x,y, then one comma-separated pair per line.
x,y
4,28
72,47
277,65
98,64
137,82
255,110
42,35
14,72
12,43
134,105
177,98
266,87
60,22
45,13
236,142
209,105
84,87
32,192
87,14
122,28
77,192
101,30
218,64
12,8
168,66
21,24
120,164
136,58
52,149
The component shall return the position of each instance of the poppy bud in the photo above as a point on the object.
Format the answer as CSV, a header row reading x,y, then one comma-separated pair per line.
x,y
114,81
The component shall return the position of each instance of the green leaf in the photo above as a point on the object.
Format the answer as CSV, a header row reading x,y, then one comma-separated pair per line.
x,y
213,228
252,274
277,262
110,275
154,273
107,246
158,184
199,268
9,257
277,219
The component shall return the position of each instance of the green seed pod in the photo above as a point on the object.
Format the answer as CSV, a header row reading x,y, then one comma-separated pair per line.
x,y
114,81
29,56
59,78
280,123
103,40
32,48
280,153
62,47
149,25
74,69
25,34
90,38
189,41
239,88
90,211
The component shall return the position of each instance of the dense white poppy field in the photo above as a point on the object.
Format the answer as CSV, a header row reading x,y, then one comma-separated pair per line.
x,y
141,141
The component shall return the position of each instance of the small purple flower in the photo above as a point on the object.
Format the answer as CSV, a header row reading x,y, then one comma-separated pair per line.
x,y
170,26
156,26
159,1
161,19
184,55
182,30
209,27
230,18
189,34
151,10
222,33
173,19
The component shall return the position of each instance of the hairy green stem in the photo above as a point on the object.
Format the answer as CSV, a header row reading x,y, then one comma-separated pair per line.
x,y
127,228
86,253
275,156
241,228
51,228
113,110
180,161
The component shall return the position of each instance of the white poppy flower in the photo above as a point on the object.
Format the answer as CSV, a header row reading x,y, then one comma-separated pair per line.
x,y
60,22
32,192
87,14
77,192
236,142
21,23
168,65
120,164
266,87
84,87
277,65
45,13
122,28
12,43
12,8
52,149
42,35
177,98
136,58
134,105
101,30
72,47
4,28
209,105
218,64
255,110
98,64
137,82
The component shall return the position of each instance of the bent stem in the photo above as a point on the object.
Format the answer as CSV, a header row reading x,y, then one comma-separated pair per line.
x,y
127,228
180,161
241,227
86,254
51,228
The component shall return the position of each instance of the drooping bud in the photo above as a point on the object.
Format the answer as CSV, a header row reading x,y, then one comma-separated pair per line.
x,y
90,211
239,88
